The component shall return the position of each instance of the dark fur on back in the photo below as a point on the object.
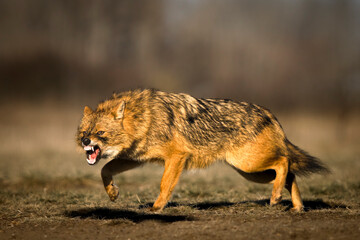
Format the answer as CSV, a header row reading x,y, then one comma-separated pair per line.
x,y
201,121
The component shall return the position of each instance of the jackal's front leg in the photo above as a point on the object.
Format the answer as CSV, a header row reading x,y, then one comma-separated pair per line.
x,y
173,168
112,168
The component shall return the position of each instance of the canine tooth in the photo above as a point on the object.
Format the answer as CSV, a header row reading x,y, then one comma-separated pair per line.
x,y
92,148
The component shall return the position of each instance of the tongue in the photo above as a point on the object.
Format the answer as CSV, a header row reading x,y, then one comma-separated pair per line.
x,y
92,156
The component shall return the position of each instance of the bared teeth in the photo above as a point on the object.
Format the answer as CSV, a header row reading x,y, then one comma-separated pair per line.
x,y
87,148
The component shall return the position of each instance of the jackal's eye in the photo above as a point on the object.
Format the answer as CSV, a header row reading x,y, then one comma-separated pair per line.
x,y
84,133
100,133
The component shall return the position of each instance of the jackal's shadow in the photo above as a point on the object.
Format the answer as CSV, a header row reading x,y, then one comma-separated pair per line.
x,y
309,205
113,214
136,217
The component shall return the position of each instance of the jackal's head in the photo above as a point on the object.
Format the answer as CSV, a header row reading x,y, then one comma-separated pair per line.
x,y
101,133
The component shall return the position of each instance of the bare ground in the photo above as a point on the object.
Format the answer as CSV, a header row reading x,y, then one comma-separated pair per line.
x,y
203,206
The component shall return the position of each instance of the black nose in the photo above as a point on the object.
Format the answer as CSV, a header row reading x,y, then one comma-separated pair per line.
x,y
86,141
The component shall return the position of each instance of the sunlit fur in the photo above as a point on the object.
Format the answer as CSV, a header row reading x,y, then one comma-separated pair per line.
x,y
183,132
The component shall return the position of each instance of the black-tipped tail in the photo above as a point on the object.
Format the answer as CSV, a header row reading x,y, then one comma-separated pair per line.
x,y
302,163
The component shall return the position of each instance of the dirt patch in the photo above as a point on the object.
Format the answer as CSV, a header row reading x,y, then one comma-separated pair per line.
x,y
84,212
123,224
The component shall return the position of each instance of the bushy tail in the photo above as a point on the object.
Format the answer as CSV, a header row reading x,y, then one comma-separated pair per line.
x,y
303,164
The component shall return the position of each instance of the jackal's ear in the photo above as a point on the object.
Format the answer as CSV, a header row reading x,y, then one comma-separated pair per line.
x,y
119,110
87,111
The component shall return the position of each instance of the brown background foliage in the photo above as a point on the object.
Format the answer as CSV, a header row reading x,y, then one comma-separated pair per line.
x,y
282,54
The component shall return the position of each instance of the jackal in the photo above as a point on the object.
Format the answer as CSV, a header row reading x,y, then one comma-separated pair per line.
x,y
183,132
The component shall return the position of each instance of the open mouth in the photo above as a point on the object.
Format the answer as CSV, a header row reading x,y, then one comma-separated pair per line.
x,y
93,154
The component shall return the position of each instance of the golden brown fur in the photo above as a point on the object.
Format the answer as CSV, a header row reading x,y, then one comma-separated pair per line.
x,y
183,132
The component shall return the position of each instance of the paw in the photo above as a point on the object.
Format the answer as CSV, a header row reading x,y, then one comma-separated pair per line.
x,y
159,204
155,209
113,192
275,200
297,209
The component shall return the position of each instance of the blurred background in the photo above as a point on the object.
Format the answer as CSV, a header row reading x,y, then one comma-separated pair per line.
x,y
300,58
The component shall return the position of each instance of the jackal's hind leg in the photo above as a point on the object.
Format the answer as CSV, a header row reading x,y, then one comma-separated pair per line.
x,y
293,188
281,169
